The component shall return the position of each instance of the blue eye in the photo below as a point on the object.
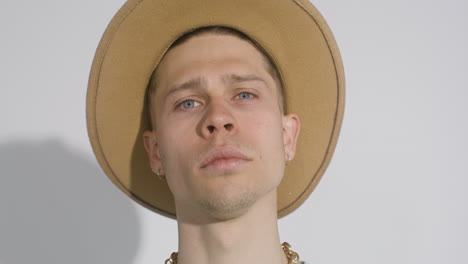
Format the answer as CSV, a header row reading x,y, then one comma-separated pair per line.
x,y
245,95
187,104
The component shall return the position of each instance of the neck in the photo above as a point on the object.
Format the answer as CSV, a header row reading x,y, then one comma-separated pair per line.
x,y
249,238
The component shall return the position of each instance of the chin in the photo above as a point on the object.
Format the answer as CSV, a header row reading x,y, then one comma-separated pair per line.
x,y
225,206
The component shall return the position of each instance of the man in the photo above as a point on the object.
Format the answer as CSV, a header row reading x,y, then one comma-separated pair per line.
x,y
218,133
221,138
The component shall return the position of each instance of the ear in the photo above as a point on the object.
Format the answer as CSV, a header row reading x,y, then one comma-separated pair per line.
x,y
291,127
152,148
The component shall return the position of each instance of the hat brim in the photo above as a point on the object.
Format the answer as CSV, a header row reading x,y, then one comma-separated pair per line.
x,y
294,35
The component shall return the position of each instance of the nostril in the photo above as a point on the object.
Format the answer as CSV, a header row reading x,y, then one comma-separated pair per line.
x,y
228,127
211,129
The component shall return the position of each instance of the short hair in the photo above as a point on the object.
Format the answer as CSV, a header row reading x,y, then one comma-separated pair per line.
x,y
218,30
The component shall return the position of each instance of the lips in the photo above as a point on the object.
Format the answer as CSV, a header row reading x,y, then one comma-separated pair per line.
x,y
224,158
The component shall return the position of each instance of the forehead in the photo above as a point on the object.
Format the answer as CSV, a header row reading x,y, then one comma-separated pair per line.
x,y
208,53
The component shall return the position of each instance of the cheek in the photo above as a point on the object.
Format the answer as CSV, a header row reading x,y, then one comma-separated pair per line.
x,y
180,150
173,147
268,131
266,134
174,139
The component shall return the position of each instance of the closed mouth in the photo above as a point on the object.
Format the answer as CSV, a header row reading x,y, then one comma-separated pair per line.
x,y
224,158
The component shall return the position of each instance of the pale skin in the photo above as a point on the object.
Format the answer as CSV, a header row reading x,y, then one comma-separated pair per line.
x,y
222,141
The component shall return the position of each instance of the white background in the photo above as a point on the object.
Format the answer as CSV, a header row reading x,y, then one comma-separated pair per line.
x,y
395,191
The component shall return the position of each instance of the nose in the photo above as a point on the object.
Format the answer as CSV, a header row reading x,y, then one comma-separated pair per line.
x,y
218,119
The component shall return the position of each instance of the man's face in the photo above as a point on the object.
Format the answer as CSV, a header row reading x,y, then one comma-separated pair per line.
x,y
220,137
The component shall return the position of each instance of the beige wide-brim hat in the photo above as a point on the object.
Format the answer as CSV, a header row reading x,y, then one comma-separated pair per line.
x,y
292,32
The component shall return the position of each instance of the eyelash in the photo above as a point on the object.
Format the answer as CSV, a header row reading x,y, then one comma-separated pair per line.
x,y
250,94
185,101
179,106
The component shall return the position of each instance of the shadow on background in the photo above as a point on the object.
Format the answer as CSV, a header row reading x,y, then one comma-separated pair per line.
x,y
57,207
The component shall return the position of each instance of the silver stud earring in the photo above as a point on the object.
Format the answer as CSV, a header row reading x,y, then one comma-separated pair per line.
x,y
160,175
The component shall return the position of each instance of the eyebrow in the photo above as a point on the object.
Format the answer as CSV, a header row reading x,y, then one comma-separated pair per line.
x,y
237,78
190,84
200,82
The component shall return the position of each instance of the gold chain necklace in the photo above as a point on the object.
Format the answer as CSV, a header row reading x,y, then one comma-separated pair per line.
x,y
291,255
